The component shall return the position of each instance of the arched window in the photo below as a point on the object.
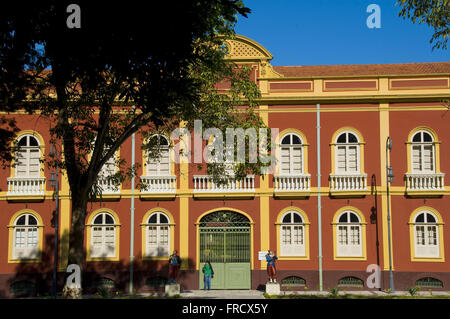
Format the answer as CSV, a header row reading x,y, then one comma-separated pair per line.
x,y
26,237
291,155
109,168
27,157
157,237
347,155
426,235
292,236
429,282
293,281
158,156
423,154
350,281
103,236
349,235
105,183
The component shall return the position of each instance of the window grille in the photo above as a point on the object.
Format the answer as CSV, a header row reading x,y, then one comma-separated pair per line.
x,y
429,282
293,281
350,282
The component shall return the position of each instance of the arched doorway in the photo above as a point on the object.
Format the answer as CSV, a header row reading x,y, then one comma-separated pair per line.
x,y
225,240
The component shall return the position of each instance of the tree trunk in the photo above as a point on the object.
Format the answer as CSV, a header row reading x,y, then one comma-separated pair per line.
x,y
76,242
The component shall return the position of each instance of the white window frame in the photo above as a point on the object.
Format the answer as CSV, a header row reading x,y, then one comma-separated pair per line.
x,y
30,250
345,231
106,170
157,248
426,249
26,158
290,147
103,250
347,147
288,230
157,162
422,144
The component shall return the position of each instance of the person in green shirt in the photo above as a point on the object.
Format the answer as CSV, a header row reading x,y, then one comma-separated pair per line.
x,y
208,273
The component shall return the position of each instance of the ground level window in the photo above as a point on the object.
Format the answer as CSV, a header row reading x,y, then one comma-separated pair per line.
x,y
293,281
429,282
22,288
350,282
156,282
104,284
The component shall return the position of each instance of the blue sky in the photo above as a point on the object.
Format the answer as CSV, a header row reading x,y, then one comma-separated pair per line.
x,y
324,32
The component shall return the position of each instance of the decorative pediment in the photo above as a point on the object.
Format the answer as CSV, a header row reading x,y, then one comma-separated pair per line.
x,y
241,48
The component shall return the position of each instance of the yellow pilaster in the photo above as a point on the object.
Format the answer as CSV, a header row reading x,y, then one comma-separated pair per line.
x,y
184,201
64,222
264,199
384,133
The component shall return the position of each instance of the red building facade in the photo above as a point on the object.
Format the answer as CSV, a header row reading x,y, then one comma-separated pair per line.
x,y
324,210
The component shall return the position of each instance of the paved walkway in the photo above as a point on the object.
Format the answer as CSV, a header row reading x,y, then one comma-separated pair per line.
x,y
222,294
255,294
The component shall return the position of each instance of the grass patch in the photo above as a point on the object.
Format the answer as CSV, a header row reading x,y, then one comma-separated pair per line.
x,y
350,296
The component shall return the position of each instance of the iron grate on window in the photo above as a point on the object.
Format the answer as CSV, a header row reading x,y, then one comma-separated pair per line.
x,y
104,283
350,282
22,288
224,219
429,282
293,281
156,282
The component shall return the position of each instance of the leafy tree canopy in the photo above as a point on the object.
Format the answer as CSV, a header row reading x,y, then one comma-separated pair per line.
x,y
435,13
134,65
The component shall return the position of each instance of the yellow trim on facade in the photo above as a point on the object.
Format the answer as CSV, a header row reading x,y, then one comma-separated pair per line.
x,y
171,156
363,233
29,198
324,89
419,87
89,233
171,225
305,147
361,144
384,133
11,227
440,224
219,209
306,224
436,144
264,202
184,200
64,231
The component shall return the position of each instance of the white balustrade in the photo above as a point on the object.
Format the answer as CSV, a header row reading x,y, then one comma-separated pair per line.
x,y
108,186
348,182
292,183
205,183
26,186
159,184
424,182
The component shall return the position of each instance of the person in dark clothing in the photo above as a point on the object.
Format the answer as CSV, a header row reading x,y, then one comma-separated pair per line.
x,y
174,266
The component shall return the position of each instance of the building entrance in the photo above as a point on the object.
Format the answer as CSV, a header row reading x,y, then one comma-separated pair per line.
x,y
225,241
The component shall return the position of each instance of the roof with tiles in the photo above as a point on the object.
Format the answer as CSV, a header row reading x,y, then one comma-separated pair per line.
x,y
364,69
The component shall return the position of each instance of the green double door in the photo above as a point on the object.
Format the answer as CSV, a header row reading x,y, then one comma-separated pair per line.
x,y
228,249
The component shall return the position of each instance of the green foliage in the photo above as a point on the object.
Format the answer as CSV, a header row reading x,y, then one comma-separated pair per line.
x,y
413,290
146,66
435,13
334,291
